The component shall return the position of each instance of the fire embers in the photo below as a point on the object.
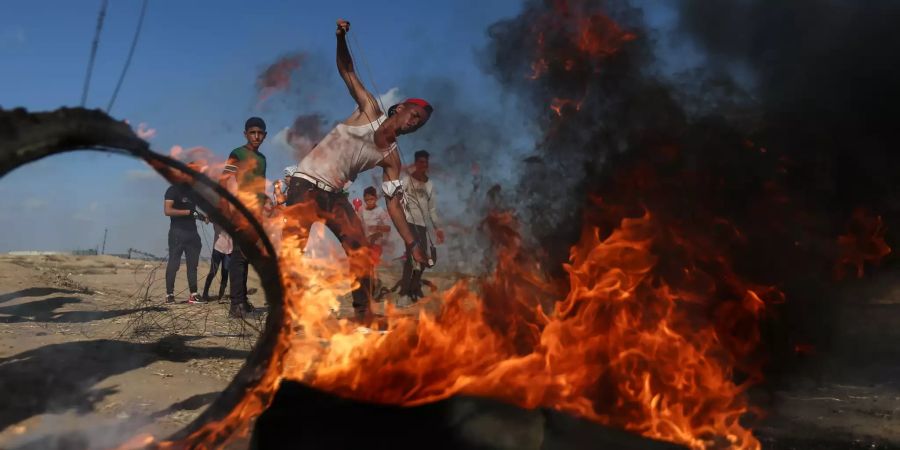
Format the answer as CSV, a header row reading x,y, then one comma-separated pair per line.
x,y
863,243
571,45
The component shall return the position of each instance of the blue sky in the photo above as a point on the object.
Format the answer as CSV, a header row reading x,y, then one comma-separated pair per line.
x,y
193,78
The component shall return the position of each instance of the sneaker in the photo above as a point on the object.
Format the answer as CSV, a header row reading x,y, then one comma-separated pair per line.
x,y
194,299
170,298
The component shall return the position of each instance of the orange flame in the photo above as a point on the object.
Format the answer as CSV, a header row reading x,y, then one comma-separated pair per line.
x,y
558,105
620,347
595,38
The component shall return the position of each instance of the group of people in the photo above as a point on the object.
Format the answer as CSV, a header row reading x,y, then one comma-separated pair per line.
x,y
315,192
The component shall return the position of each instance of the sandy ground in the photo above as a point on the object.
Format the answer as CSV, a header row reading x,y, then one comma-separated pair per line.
x,y
86,343
85,361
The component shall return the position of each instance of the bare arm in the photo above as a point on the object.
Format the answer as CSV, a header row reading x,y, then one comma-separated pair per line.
x,y
391,165
170,211
367,104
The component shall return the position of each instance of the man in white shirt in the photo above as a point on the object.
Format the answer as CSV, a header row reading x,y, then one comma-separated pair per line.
x,y
365,140
421,213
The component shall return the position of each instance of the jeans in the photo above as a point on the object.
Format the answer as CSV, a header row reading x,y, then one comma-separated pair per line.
x,y
237,270
217,259
189,244
308,204
411,282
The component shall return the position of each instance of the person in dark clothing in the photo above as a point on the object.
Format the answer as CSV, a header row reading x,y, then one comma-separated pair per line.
x,y
247,167
180,207
221,255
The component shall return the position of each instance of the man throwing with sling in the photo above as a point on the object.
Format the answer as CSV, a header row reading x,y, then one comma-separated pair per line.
x,y
366,139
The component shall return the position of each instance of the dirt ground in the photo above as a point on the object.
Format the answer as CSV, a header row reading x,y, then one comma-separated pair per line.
x,y
86,361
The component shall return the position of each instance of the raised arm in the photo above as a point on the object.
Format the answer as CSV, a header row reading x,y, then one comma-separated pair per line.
x,y
367,104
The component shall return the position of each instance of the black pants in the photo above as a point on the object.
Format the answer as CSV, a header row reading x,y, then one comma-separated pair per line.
x,y
308,204
411,283
237,271
214,262
187,243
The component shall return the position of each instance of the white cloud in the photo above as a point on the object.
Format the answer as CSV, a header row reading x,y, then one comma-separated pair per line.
x,y
33,203
280,139
145,132
391,97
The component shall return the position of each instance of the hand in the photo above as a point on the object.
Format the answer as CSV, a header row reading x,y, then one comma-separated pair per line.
x,y
440,235
416,252
343,27
418,256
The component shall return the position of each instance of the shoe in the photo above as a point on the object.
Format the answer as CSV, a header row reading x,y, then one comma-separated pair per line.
x,y
241,310
170,299
404,301
194,299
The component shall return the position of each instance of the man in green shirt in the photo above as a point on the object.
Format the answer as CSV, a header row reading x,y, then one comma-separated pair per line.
x,y
248,167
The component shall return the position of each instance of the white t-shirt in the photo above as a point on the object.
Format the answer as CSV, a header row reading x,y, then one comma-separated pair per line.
x,y
223,241
343,153
420,201
371,218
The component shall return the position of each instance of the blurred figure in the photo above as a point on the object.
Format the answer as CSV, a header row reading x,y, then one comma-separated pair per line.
x,y
421,212
221,255
280,188
376,222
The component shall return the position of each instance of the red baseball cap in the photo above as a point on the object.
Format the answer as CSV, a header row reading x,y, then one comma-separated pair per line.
x,y
420,102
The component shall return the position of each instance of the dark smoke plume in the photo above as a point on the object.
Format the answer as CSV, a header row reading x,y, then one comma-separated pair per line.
x,y
277,77
766,177
306,131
